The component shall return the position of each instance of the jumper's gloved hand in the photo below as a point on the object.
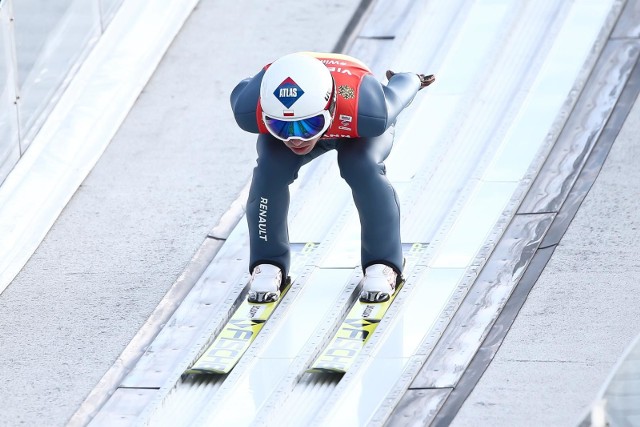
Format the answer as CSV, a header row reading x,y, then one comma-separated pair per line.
x,y
424,80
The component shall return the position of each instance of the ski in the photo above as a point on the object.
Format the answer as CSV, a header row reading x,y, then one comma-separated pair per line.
x,y
235,337
247,321
352,335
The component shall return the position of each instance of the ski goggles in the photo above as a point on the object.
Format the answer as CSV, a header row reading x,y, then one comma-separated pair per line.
x,y
304,129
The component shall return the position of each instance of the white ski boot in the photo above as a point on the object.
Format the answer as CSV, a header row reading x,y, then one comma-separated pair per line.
x,y
265,283
379,283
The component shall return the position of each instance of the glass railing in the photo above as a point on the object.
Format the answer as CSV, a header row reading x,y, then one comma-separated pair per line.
x,y
42,44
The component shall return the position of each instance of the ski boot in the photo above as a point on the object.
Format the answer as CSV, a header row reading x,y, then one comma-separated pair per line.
x,y
379,283
265,284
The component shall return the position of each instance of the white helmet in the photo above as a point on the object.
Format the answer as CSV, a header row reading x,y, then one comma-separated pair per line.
x,y
295,87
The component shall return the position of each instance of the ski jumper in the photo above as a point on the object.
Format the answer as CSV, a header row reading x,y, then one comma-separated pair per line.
x,y
361,132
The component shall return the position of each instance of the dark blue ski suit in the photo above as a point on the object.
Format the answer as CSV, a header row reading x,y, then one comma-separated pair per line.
x,y
361,163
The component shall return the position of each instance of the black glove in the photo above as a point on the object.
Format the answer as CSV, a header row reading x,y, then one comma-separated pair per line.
x,y
424,80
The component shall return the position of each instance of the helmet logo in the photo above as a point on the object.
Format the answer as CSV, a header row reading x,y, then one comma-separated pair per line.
x,y
288,92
